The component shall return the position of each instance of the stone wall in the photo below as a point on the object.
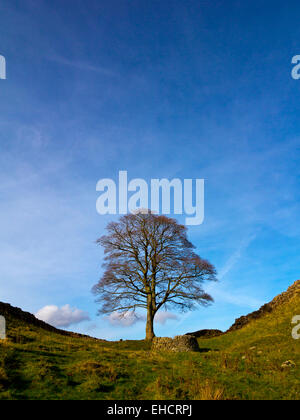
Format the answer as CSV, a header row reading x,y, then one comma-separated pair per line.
x,y
180,343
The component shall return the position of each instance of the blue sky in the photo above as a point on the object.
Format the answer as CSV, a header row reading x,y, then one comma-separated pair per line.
x,y
194,89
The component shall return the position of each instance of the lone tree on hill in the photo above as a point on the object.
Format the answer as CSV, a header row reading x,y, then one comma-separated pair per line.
x,y
150,264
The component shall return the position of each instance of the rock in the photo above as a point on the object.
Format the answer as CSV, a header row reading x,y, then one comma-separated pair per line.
x,y
206,333
288,364
180,343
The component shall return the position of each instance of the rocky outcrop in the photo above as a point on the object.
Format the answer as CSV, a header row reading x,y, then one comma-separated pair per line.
x,y
206,333
180,343
244,320
267,308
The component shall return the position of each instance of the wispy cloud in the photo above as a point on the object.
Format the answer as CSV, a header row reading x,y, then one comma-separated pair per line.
x,y
223,291
80,65
235,257
237,298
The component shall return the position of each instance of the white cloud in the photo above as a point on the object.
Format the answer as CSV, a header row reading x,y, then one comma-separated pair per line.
x,y
62,317
125,319
130,318
163,317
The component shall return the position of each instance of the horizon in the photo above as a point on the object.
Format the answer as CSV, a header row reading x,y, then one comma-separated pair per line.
x,y
177,91
235,325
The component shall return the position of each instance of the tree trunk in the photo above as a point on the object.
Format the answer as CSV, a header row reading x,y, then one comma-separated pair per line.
x,y
149,327
150,318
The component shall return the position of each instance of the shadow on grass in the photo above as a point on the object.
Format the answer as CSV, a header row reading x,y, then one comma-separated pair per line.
x,y
207,350
15,379
42,353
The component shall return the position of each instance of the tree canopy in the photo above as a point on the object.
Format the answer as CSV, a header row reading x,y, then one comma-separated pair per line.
x,y
150,264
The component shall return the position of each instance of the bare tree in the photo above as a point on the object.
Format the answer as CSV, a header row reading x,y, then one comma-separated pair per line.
x,y
150,264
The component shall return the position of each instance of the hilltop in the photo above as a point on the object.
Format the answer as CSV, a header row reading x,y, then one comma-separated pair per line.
x,y
248,362
241,322
268,308
15,316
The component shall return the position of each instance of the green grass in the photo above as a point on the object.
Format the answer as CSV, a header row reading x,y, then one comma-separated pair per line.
x,y
245,364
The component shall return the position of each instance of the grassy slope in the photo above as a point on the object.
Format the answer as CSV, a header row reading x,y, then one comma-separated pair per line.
x,y
36,364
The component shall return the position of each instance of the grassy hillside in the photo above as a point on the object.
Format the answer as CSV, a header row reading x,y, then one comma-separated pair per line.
x,y
244,364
